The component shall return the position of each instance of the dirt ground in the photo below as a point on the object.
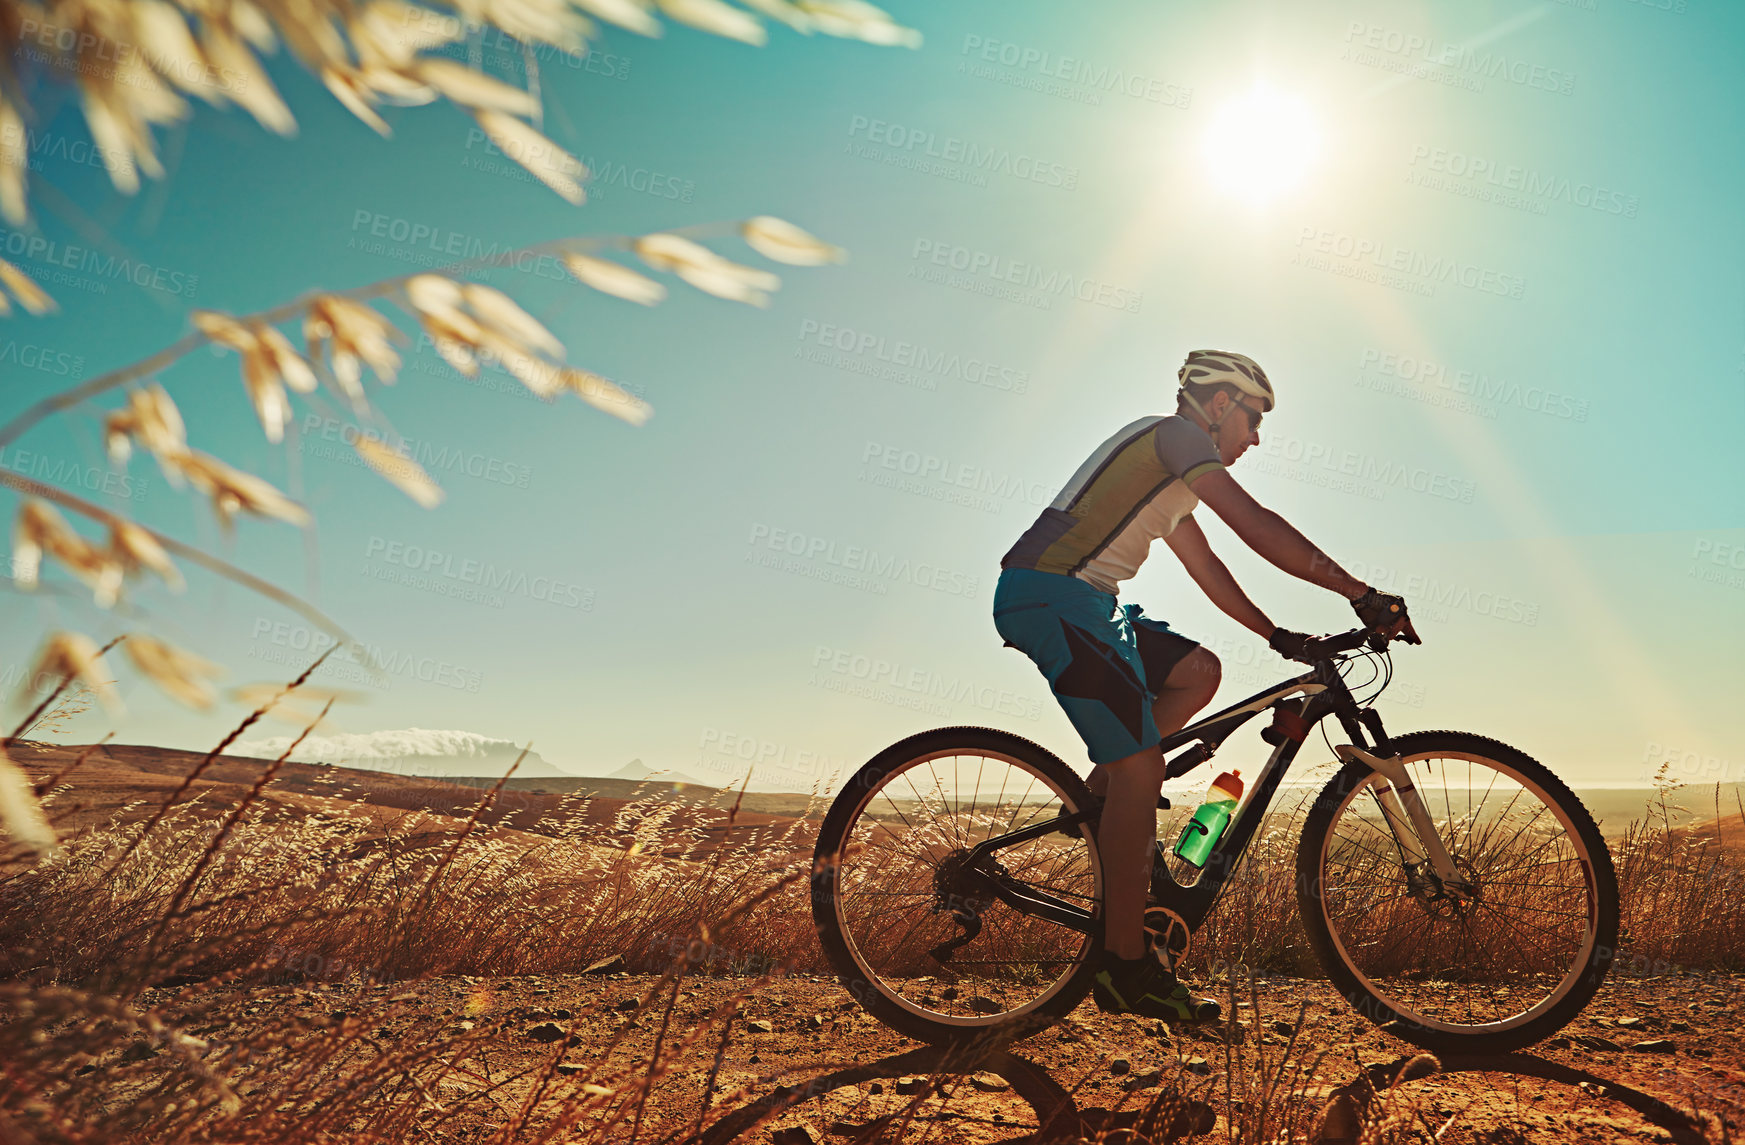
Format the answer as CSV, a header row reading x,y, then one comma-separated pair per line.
x,y
802,1063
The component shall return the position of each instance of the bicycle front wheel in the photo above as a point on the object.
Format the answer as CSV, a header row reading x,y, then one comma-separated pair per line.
x,y
1505,957
912,925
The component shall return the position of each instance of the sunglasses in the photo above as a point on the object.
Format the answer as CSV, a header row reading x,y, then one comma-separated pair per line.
x,y
1254,415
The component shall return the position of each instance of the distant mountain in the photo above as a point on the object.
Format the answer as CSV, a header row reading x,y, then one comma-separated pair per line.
x,y
636,771
411,751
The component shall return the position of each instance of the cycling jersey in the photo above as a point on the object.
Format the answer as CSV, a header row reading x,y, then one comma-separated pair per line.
x,y
1135,488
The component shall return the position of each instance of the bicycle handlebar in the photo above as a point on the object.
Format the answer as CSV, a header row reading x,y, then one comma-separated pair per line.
x,y
1329,646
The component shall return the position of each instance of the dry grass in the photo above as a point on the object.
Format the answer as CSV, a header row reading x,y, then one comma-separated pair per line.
x,y
191,900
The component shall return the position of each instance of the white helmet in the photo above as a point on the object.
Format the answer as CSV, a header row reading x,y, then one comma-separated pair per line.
x,y
1211,367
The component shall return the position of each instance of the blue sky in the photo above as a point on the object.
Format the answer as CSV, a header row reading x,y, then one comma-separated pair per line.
x,y
1503,308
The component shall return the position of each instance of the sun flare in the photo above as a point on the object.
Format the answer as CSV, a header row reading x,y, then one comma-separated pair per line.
x,y
1261,146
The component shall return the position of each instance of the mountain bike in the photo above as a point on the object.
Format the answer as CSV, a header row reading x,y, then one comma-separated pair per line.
x,y
1453,889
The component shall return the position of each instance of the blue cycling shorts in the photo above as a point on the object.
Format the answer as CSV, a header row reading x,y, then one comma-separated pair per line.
x,y
1103,660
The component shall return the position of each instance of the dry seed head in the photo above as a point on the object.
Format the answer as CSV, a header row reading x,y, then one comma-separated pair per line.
x,y
29,294
857,20
233,491
539,156
706,270
631,14
716,17
605,395
20,814
135,548
614,278
402,472
474,89
782,241
184,676
74,656
14,162
499,312
41,529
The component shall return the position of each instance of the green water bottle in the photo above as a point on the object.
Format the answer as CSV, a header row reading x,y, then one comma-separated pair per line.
x,y
1203,831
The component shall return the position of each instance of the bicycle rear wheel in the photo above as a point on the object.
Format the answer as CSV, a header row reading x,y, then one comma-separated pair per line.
x,y
1493,966
892,887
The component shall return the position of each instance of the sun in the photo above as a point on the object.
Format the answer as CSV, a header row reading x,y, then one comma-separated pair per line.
x,y
1261,146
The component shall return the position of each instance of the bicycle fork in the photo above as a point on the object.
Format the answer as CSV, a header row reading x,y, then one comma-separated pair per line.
x,y
1407,817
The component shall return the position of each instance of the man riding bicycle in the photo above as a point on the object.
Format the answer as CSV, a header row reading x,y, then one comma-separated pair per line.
x,y
1125,680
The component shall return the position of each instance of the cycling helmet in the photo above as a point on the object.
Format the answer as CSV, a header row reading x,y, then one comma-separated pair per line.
x,y
1211,367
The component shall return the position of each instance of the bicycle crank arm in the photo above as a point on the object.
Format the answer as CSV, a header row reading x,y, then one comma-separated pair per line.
x,y
1405,812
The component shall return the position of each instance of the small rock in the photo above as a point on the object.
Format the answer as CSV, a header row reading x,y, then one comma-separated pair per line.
x,y
340,1015
138,1052
1120,1066
911,1085
1283,1029
1198,1065
546,1032
1558,1043
985,1006
570,1068
1655,1046
562,1015
628,1004
950,993
1628,1023
814,1022
612,965
989,1082
1594,1042
759,1027
754,1059
876,1087
801,1134
1147,1080
1679,1027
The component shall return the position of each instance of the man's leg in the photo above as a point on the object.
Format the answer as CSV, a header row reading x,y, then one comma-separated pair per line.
x,y
1130,788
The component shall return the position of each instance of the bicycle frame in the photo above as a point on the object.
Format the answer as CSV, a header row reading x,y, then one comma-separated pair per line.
x,y
1323,694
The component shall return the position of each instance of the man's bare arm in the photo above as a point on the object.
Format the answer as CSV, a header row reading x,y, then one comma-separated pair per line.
x,y
1189,544
1273,537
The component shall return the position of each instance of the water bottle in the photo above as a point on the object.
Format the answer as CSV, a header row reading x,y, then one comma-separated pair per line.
x,y
1211,817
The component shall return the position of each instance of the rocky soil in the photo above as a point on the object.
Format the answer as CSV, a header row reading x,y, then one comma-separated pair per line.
x,y
1660,1059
